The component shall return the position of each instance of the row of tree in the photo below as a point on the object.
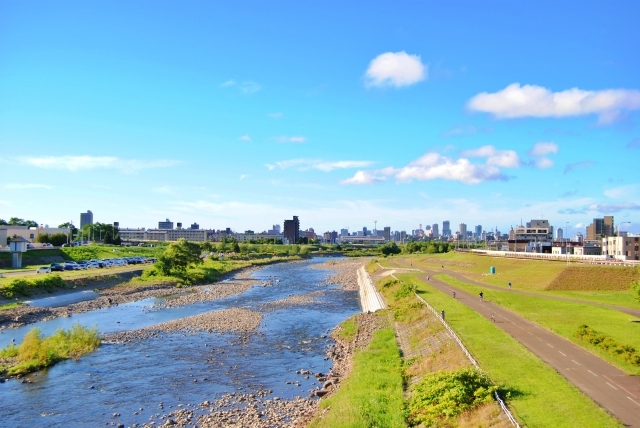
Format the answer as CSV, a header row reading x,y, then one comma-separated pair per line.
x,y
15,221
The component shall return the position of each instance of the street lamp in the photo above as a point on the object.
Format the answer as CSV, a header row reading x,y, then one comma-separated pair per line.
x,y
566,243
620,224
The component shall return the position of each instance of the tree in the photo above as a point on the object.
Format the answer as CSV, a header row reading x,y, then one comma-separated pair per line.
x,y
3,222
636,287
43,238
179,256
15,221
57,239
236,248
390,248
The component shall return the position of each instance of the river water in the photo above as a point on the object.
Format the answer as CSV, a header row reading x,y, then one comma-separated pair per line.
x,y
122,378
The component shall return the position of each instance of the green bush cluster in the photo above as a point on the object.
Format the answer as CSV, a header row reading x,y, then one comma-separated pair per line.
x,y
444,395
406,289
626,352
23,287
635,286
428,247
36,352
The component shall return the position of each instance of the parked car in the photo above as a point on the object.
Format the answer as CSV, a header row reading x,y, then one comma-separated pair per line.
x,y
44,269
71,266
56,267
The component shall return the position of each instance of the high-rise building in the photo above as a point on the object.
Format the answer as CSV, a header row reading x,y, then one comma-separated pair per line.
x,y
600,228
165,224
292,230
387,233
462,229
195,226
559,233
86,218
344,232
434,231
478,233
446,229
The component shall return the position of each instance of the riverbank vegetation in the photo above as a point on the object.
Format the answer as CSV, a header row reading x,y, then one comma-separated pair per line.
x,y
24,287
372,394
37,352
538,395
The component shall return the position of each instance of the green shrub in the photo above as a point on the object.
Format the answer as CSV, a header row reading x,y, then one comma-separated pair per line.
x,y
444,395
405,290
23,287
626,352
36,352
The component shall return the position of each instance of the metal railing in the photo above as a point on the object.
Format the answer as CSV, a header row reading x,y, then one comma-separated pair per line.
x,y
506,410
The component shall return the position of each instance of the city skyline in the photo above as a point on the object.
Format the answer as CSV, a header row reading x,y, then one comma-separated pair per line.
x,y
241,115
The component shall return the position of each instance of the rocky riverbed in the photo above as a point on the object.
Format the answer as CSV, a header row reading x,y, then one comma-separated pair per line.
x,y
262,408
346,272
227,320
237,284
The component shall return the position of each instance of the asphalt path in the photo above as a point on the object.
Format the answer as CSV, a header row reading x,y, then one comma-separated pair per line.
x,y
610,387
457,275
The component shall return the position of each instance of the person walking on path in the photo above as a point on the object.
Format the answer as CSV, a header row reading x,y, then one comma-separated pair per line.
x,y
493,317
509,286
481,296
442,314
454,294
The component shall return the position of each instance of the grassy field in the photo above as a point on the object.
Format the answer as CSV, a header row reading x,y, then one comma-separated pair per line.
x,y
539,396
537,276
372,395
564,318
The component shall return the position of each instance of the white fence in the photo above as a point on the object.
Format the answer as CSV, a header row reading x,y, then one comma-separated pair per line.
x,y
506,410
558,257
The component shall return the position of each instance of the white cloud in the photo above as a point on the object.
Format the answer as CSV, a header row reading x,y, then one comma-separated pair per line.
x,y
537,101
249,87
246,87
245,137
539,151
434,166
277,115
243,176
622,191
163,190
20,186
395,69
293,139
500,158
614,208
5,203
579,225
364,177
78,163
319,164
543,148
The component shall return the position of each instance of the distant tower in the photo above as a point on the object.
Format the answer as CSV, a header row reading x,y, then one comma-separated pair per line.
x,y
86,218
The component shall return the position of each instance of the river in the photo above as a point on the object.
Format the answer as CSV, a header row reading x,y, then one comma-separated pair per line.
x,y
179,368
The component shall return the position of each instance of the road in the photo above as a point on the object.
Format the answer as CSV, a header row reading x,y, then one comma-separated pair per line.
x,y
610,387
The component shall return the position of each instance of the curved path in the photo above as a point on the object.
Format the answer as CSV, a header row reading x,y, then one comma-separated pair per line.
x,y
370,299
461,277
610,387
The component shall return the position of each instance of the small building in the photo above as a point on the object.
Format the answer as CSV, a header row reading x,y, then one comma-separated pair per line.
x,y
622,247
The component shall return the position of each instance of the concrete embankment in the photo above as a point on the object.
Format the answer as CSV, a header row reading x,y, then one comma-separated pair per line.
x,y
370,299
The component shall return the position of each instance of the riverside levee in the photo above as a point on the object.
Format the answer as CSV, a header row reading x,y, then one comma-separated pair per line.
x,y
139,379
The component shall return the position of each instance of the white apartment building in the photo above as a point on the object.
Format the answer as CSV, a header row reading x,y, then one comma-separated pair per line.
x,y
622,247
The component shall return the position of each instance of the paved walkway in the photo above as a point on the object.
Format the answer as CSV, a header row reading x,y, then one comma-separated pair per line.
x,y
461,277
370,299
607,385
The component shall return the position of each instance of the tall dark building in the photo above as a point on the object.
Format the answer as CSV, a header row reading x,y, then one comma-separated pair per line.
x,y
387,233
165,224
86,218
292,230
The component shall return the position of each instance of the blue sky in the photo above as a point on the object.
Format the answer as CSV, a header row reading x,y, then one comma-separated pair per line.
x,y
241,114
